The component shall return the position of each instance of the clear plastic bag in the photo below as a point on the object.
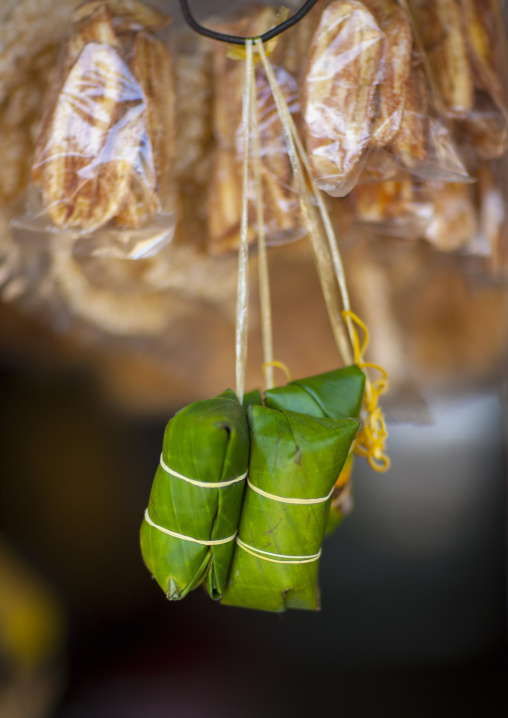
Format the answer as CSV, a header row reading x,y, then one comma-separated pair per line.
x,y
443,213
367,106
281,202
465,44
102,165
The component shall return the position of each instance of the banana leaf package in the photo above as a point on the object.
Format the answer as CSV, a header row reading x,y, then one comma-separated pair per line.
x,y
337,395
260,548
190,525
294,463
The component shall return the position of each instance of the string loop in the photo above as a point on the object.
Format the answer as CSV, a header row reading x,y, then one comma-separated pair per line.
x,y
371,438
235,39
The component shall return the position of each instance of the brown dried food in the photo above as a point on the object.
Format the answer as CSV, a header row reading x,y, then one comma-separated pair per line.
x,y
128,15
390,95
440,24
381,202
194,131
483,23
485,128
455,222
338,97
152,68
410,142
109,117
229,74
280,201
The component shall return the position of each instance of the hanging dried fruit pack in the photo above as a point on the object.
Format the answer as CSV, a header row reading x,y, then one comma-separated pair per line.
x,y
104,154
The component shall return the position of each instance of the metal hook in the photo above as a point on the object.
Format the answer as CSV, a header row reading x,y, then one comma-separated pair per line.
x,y
234,39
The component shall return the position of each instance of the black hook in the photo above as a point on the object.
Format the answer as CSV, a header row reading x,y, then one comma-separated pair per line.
x,y
234,39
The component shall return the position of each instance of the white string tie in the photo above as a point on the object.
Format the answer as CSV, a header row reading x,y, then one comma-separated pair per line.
x,y
279,557
217,542
286,500
203,484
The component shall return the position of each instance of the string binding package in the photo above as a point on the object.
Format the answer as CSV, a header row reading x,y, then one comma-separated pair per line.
x,y
248,485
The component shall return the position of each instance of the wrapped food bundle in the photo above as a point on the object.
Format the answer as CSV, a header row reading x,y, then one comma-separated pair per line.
x,y
106,145
299,465
294,463
280,199
443,213
367,109
190,525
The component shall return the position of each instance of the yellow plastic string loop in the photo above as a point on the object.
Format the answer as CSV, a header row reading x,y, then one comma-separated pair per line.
x,y
371,438
278,365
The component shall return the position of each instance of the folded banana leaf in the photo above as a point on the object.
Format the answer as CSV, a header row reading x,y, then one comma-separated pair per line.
x,y
294,462
205,445
337,394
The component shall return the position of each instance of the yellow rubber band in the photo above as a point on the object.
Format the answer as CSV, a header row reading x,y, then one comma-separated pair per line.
x,y
278,365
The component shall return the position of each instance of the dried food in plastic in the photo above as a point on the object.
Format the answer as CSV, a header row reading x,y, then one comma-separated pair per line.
x,y
465,44
107,142
368,108
440,25
339,90
454,222
390,94
393,208
281,204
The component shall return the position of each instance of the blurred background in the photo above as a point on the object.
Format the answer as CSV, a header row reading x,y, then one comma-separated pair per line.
x,y
413,584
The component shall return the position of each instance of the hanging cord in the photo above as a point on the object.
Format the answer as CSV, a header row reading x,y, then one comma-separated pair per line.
x,y
242,301
235,39
263,273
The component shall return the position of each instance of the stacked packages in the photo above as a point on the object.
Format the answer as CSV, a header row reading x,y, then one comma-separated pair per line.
x,y
241,499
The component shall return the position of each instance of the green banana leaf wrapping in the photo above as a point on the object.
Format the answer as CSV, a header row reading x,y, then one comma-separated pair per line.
x,y
207,441
299,457
338,395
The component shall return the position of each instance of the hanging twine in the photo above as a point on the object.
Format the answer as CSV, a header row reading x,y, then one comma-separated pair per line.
x,y
371,438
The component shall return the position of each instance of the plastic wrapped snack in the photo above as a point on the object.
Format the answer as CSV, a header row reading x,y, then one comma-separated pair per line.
x,y
444,213
465,43
339,89
190,525
104,153
294,463
440,25
280,199
393,208
454,221
367,107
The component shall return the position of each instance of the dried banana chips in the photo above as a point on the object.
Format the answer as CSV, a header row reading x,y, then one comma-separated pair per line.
x,y
106,144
